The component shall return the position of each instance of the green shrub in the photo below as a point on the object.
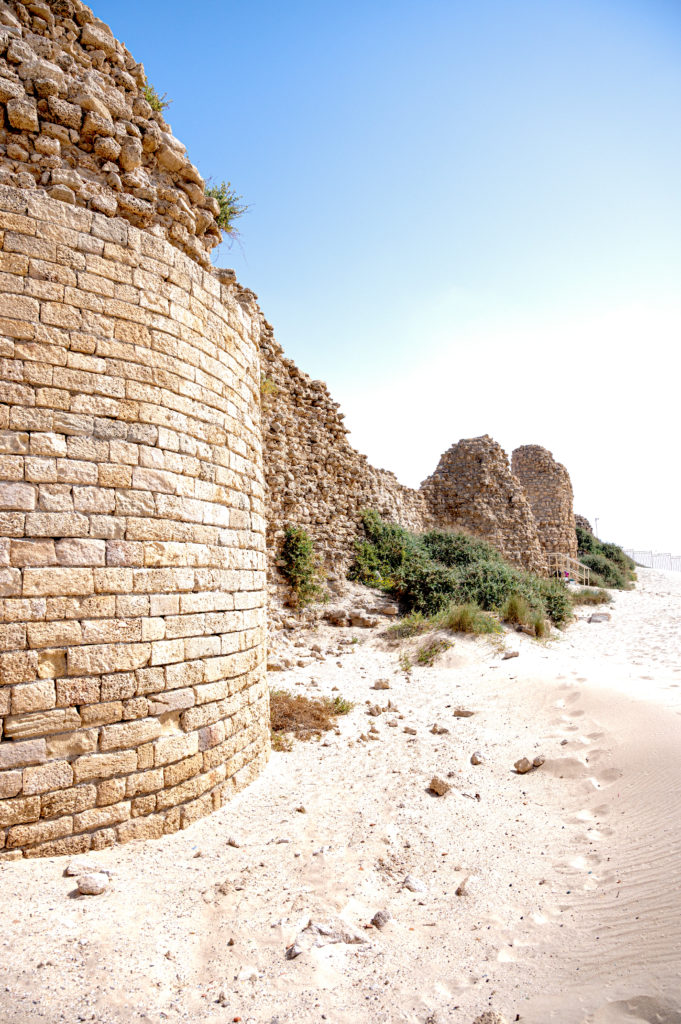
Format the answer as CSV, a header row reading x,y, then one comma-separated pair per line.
x,y
555,597
230,205
605,569
431,571
609,565
539,623
301,565
411,625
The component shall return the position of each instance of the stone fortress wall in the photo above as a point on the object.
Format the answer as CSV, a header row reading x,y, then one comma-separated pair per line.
x,y
549,491
315,479
139,391
133,696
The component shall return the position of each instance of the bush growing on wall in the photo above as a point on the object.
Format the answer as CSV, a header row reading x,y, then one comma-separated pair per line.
x,y
609,565
300,566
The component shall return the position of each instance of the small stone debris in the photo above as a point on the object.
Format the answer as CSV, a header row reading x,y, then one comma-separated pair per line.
x,y
563,743
381,918
477,758
392,723
461,887
374,710
462,713
301,809
362,620
381,684
510,654
293,951
93,884
223,998
439,730
438,786
413,884
527,630
233,842
409,731
86,867
524,765
599,617
490,1017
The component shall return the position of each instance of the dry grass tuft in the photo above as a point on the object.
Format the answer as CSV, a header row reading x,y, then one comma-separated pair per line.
x,y
293,714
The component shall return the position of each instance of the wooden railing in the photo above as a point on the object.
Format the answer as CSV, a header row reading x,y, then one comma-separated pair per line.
x,y
559,564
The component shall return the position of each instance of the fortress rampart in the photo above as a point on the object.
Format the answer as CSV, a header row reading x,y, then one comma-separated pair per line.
x,y
133,697
549,492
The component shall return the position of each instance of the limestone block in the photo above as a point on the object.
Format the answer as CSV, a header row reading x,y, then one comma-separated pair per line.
x,y
23,114
104,766
11,783
17,755
20,809
41,723
39,696
129,734
47,777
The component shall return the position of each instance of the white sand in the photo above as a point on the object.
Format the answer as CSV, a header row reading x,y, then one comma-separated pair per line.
x,y
573,907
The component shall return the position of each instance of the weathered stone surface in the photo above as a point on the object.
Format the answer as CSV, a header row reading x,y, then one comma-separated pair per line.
x,y
549,492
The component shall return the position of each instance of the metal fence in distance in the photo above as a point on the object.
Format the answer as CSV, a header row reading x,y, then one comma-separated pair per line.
x,y
655,559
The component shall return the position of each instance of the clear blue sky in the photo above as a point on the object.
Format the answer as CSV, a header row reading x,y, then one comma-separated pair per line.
x,y
465,218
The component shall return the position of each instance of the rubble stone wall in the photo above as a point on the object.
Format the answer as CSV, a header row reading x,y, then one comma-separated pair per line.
x,y
132,557
473,489
75,124
314,477
549,491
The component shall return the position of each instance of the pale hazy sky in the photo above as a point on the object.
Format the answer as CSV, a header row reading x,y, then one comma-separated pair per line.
x,y
465,218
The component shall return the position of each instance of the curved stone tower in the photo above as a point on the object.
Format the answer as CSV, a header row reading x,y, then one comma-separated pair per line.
x,y
132,690
549,490
474,489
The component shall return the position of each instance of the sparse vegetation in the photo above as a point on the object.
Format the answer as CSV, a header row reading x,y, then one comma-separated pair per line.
x,y
516,610
294,716
586,596
267,387
430,650
231,206
405,663
430,572
469,618
301,566
156,102
609,565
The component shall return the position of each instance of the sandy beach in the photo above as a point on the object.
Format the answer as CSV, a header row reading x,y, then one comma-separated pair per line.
x,y
569,877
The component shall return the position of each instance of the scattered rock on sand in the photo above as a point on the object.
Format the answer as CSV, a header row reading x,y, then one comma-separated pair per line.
x,y
477,758
93,884
439,730
462,713
293,951
438,786
599,617
381,684
538,761
381,918
233,842
523,766
361,620
510,654
413,884
81,866
410,732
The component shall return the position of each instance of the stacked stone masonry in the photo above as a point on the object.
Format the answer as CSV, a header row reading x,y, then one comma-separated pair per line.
x,y
132,558
75,124
473,489
549,491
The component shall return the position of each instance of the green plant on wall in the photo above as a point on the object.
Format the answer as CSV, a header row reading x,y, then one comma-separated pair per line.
x,y
267,387
156,102
230,205
300,566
